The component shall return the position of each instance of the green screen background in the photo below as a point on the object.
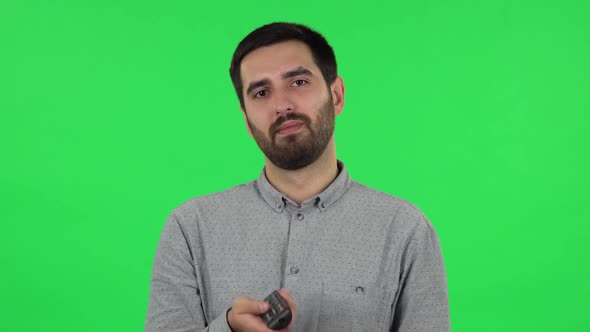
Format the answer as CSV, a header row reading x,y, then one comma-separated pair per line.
x,y
115,112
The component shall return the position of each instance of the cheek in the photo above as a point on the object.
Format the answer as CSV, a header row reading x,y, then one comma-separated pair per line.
x,y
262,123
313,109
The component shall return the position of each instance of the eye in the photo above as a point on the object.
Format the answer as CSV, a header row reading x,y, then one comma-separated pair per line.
x,y
260,93
299,82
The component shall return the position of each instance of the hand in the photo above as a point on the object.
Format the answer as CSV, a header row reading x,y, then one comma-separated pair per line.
x,y
244,315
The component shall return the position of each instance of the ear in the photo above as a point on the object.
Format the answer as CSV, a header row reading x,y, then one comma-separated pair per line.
x,y
337,90
246,121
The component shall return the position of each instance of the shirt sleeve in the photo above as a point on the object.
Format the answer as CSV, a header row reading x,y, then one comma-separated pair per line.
x,y
423,300
174,301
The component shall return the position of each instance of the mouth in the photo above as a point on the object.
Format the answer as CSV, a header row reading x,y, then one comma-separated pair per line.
x,y
290,127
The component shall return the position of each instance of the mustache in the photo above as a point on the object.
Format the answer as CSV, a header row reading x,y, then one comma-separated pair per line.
x,y
290,116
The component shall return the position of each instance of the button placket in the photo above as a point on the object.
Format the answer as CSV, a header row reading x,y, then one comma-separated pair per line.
x,y
297,247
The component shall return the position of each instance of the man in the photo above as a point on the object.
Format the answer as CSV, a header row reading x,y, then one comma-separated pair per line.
x,y
344,256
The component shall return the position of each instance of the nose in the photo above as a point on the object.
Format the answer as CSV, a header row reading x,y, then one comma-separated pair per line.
x,y
282,104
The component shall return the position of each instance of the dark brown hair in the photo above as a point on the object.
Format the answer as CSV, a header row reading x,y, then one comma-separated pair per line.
x,y
277,32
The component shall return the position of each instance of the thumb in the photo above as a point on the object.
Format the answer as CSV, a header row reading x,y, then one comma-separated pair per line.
x,y
243,305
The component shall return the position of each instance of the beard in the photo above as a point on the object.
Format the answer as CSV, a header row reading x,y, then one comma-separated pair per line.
x,y
297,150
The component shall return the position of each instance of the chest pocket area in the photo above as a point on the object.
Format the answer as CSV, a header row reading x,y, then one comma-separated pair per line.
x,y
352,307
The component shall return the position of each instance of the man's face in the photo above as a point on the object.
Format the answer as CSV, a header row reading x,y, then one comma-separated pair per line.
x,y
289,110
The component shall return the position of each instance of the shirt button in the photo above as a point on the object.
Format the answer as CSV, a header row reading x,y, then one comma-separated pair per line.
x,y
300,216
279,205
294,270
359,290
323,205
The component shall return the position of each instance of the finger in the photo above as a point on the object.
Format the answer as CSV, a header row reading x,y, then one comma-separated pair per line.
x,y
244,305
285,294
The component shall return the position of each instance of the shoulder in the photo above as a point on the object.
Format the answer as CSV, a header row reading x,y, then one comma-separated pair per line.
x,y
402,213
216,201
380,199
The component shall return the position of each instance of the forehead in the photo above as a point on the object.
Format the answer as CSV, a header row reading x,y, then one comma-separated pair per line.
x,y
270,61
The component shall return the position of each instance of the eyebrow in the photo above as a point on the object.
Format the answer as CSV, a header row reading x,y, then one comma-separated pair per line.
x,y
291,73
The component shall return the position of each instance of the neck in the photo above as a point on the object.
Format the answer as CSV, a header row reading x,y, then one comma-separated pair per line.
x,y
304,183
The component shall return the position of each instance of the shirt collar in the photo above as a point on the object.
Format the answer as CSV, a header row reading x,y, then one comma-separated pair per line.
x,y
323,200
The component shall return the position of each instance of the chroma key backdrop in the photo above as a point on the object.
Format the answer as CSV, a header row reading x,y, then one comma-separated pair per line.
x,y
112,113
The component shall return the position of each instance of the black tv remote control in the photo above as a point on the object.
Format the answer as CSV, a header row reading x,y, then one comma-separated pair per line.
x,y
278,315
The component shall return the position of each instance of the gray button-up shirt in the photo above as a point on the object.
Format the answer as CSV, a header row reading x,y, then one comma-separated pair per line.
x,y
353,259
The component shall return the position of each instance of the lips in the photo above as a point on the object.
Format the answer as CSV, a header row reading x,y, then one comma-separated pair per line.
x,y
289,127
